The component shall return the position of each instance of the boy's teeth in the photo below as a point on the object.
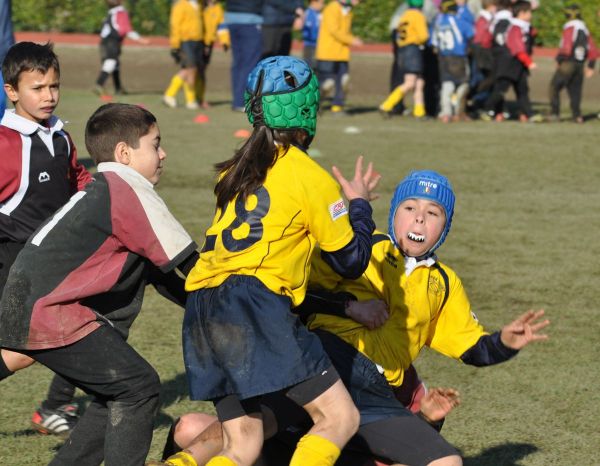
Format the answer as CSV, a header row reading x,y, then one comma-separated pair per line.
x,y
414,237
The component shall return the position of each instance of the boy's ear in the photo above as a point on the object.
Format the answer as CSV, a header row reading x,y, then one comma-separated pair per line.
x,y
122,153
11,93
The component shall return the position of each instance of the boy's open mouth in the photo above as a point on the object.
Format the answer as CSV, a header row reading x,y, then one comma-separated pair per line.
x,y
415,237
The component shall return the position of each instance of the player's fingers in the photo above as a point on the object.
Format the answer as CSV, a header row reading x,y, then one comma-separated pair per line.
x,y
338,176
539,326
358,168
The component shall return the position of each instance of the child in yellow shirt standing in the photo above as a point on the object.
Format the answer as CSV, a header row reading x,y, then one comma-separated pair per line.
x,y
213,18
333,50
412,36
187,49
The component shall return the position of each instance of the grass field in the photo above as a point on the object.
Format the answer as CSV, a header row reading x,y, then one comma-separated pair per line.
x,y
525,235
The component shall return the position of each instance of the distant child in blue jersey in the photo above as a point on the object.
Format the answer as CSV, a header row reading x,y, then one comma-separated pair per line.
x,y
310,30
450,36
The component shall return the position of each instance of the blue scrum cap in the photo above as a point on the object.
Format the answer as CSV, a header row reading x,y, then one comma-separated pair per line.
x,y
424,184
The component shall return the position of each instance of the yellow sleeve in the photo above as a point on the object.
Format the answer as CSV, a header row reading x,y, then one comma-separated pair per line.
x,y
336,27
421,30
321,275
455,329
176,22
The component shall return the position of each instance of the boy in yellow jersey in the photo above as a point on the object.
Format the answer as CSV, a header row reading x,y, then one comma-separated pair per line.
x,y
333,50
274,204
426,305
213,18
187,49
411,37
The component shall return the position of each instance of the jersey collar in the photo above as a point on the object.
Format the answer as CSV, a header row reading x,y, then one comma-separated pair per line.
x,y
411,263
124,171
27,127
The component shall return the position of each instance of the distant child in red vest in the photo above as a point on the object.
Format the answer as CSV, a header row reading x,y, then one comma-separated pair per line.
x,y
576,47
512,46
115,28
482,47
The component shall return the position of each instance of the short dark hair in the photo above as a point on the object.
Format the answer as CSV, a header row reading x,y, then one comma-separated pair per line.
x,y
521,6
28,56
111,124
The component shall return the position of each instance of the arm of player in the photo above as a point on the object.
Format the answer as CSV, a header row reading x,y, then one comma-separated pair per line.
x,y
171,285
505,344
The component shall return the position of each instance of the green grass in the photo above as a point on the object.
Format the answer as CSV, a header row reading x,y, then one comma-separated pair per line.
x,y
524,235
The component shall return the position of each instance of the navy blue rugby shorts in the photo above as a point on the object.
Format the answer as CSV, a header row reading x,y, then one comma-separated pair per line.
x,y
242,339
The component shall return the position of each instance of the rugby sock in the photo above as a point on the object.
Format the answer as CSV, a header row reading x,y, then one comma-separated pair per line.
x,y
190,93
313,450
200,86
102,77
181,459
221,461
174,86
419,110
392,100
4,371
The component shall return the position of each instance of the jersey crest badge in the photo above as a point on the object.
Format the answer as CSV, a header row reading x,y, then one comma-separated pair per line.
x,y
337,209
43,177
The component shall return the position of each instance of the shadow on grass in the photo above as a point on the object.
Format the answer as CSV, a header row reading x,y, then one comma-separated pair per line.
x,y
509,454
171,391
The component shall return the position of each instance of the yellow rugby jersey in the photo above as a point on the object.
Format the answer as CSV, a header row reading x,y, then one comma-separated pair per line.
x,y
213,16
185,23
273,235
417,317
335,36
412,28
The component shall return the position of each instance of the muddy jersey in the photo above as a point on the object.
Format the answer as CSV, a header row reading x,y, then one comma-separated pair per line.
x,y
38,173
272,234
88,264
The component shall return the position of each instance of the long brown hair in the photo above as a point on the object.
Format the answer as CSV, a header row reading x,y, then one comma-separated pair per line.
x,y
246,171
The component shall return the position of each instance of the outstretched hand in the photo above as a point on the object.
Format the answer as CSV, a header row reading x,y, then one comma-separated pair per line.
x,y
372,313
438,402
524,330
362,185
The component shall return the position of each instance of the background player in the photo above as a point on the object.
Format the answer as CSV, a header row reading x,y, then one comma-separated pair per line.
x,y
115,28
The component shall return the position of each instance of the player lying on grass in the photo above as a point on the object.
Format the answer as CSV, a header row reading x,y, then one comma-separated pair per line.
x,y
77,286
405,300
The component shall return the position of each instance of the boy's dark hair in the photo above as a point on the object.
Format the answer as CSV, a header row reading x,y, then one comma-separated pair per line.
x,y
488,3
521,6
504,4
113,3
114,123
28,56
246,171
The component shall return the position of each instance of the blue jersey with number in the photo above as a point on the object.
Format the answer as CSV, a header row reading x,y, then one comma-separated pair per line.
x,y
272,235
450,34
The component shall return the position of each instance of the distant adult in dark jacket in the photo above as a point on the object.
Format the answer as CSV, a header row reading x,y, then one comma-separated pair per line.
x,y
244,20
278,17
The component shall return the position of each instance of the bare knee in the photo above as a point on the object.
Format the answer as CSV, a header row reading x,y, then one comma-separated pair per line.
x,y
190,426
453,460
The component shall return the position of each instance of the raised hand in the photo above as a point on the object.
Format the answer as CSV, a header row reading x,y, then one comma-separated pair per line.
x,y
362,185
372,313
438,402
524,330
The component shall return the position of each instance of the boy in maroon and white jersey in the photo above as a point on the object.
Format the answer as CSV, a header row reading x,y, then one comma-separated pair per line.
x,y
576,47
512,48
38,174
78,285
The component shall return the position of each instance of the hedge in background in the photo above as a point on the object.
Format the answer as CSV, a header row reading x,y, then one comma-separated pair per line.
x,y
151,17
